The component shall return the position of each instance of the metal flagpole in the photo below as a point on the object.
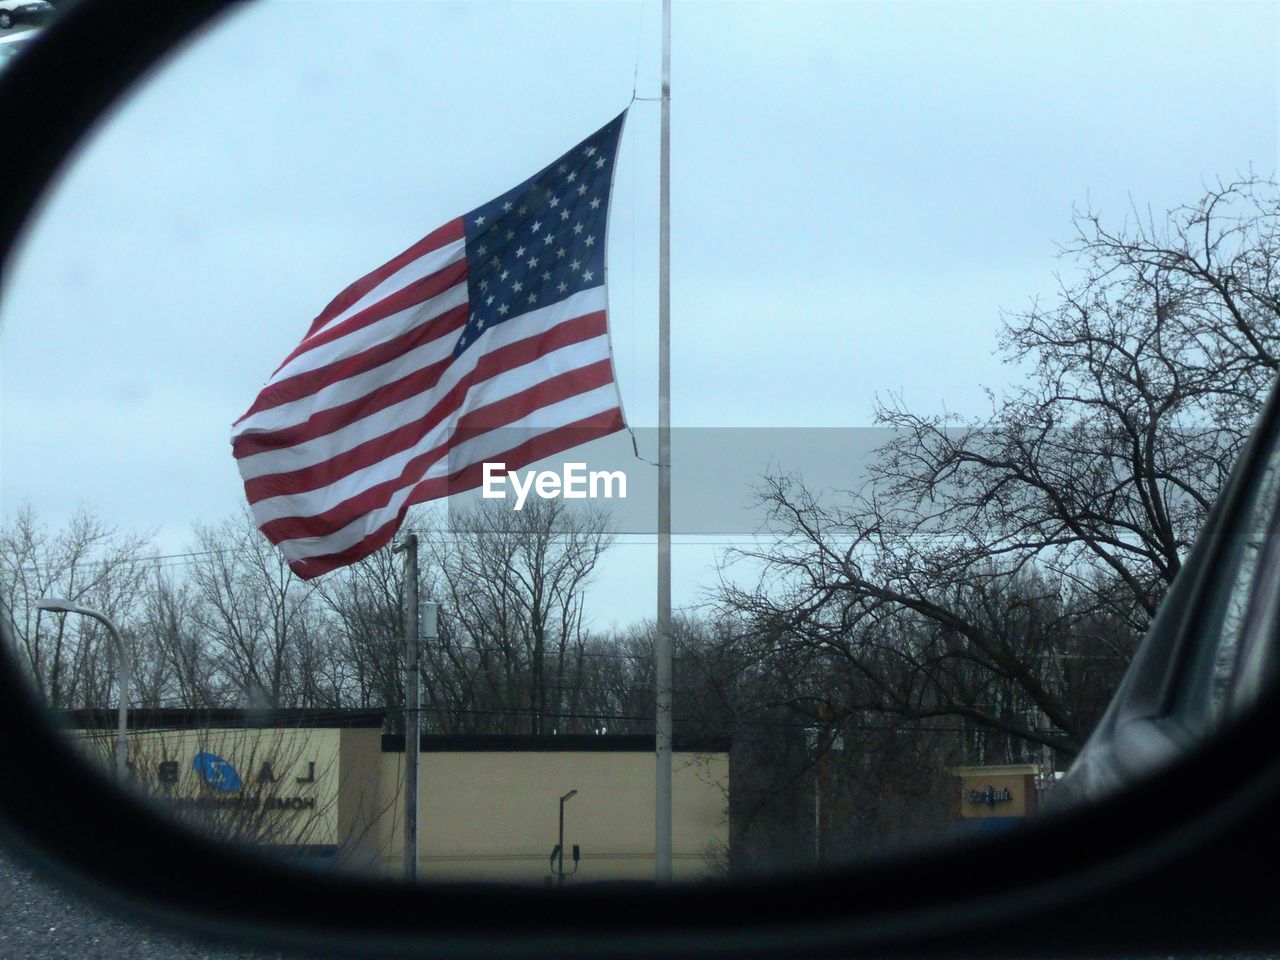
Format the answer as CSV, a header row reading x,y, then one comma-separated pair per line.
x,y
662,812
412,737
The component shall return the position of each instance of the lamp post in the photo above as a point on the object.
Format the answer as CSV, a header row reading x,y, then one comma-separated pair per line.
x,y
557,855
58,605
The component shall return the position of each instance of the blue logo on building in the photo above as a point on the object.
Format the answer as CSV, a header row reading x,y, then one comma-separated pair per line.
x,y
218,773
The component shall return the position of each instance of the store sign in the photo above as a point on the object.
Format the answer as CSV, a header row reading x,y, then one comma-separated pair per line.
x,y
223,777
988,797
218,773
246,803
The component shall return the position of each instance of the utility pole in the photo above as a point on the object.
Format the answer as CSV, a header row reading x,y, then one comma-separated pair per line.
x,y
412,737
663,693
822,744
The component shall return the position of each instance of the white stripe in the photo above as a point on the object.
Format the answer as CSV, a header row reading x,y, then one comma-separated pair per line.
x,y
325,498
344,391
565,412
357,432
363,338
427,264
496,442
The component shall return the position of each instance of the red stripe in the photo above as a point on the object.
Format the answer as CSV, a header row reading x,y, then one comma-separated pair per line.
x,y
313,381
537,448
442,236
466,478
374,497
498,414
400,438
492,364
414,293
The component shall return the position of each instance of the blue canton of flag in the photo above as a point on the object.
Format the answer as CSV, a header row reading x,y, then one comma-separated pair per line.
x,y
542,241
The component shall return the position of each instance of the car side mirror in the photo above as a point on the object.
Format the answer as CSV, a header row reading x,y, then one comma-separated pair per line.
x,y
1123,872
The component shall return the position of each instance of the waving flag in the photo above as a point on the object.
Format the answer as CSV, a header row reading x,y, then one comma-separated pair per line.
x,y
485,341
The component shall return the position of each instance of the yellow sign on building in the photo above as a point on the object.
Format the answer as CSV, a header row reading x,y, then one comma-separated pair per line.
x,y
1006,791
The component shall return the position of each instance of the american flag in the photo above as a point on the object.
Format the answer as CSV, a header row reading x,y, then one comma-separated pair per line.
x,y
484,341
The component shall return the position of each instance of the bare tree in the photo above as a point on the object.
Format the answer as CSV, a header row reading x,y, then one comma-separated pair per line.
x,y
172,648
985,555
257,618
513,582
365,600
71,659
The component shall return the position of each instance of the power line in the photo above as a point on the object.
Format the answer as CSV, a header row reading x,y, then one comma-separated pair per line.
x,y
524,713
622,538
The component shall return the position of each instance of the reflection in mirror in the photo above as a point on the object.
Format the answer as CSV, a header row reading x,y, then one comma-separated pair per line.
x,y
972,312
21,22
1243,587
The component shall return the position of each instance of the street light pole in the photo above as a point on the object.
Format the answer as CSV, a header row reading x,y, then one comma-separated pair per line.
x,y
560,846
123,673
412,722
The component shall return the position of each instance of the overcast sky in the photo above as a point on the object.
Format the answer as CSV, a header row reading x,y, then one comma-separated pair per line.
x,y
858,189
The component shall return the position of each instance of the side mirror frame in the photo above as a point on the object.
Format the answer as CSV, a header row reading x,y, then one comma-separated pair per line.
x,y
1125,875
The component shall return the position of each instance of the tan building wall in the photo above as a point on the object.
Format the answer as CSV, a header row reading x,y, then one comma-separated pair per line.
x,y
488,814
495,815
365,807
289,791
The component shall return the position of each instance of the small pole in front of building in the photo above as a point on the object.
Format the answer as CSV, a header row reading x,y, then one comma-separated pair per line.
x,y
560,846
412,736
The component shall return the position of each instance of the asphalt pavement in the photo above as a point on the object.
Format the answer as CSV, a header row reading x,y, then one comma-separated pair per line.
x,y
41,920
